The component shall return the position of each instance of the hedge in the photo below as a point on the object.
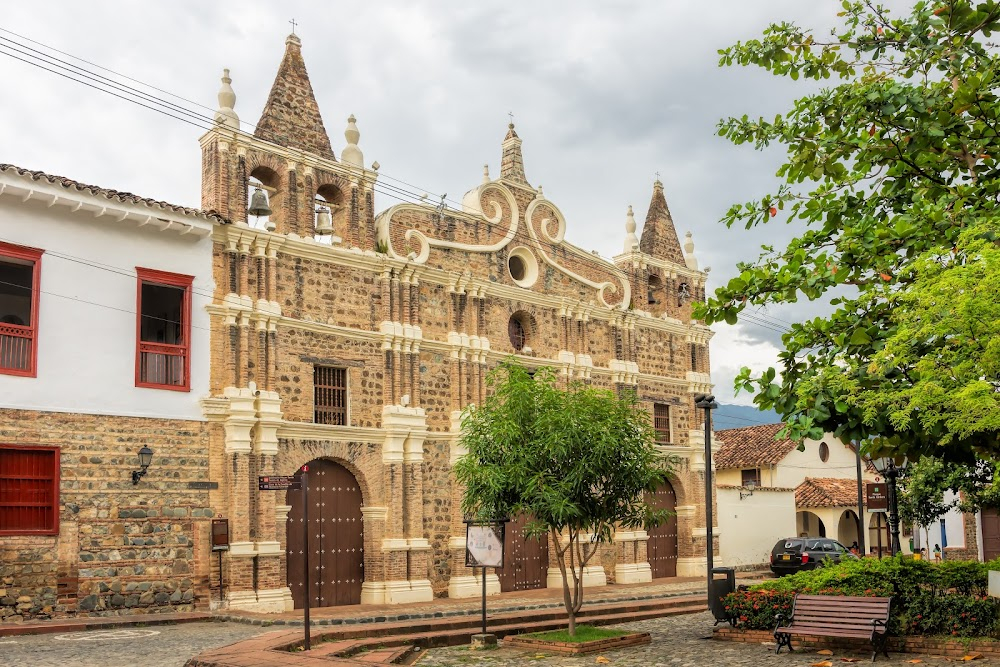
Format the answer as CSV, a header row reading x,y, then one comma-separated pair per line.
x,y
940,599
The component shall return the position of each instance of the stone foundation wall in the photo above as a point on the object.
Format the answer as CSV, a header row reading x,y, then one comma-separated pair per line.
x,y
121,548
925,645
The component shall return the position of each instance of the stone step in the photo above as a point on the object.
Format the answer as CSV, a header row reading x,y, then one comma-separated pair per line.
x,y
381,654
648,608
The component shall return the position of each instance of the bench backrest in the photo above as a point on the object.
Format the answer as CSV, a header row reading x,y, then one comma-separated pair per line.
x,y
839,609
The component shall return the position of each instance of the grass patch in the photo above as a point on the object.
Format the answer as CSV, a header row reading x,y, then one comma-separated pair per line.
x,y
584,633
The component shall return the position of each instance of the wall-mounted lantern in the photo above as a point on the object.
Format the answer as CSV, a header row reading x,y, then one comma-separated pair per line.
x,y
145,458
747,489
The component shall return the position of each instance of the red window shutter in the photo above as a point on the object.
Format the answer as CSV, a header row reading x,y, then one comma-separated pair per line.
x,y
29,490
163,365
19,341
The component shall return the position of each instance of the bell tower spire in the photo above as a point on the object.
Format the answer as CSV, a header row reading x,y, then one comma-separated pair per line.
x,y
291,115
511,163
659,236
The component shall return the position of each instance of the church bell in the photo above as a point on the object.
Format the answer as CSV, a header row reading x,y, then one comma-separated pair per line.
x,y
324,221
258,204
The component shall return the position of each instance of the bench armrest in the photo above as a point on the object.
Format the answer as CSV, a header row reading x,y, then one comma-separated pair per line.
x,y
778,620
879,626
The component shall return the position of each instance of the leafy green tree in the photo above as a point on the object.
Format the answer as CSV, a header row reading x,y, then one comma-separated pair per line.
x,y
893,172
923,486
576,461
920,493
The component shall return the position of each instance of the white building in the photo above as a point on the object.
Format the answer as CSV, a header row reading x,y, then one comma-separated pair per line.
x,y
104,353
812,492
76,262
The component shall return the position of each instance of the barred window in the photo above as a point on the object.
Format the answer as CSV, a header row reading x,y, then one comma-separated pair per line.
x,y
661,424
330,395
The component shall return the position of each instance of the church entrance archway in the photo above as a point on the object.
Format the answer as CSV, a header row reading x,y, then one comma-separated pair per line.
x,y
661,549
526,559
335,538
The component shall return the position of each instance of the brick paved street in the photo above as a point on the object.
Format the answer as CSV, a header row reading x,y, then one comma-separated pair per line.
x,y
156,646
677,641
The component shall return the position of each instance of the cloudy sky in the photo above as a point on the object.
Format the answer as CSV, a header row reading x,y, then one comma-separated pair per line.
x,y
604,95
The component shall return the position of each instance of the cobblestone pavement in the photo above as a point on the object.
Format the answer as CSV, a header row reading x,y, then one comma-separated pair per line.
x,y
155,646
679,641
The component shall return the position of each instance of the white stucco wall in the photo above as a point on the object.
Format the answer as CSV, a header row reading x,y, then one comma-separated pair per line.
x,y
954,529
750,527
797,465
87,322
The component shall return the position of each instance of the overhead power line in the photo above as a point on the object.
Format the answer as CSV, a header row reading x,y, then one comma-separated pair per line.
x,y
84,76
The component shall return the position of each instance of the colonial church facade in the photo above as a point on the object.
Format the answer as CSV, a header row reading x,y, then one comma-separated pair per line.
x,y
350,342
291,325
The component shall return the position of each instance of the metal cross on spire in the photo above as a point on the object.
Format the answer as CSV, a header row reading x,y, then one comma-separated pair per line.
x,y
657,175
511,114
293,25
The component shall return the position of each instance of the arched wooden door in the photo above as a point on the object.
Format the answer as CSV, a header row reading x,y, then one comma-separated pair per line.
x,y
661,549
525,559
336,537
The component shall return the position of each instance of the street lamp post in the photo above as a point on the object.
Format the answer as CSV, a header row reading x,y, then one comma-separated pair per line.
x,y
707,403
891,469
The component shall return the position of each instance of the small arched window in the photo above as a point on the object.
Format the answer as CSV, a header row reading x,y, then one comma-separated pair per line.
x,y
264,188
517,331
654,287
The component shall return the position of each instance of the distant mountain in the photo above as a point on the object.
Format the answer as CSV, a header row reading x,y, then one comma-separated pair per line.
x,y
738,416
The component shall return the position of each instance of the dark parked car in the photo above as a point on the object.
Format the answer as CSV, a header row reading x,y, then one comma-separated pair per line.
x,y
806,553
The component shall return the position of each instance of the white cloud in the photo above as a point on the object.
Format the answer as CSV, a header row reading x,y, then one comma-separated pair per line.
x,y
731,349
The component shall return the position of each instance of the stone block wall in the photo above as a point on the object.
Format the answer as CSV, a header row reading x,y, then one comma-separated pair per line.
x,y
121,548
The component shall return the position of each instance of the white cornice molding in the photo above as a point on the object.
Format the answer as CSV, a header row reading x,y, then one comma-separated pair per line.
x,y
139,214
640,260
309,431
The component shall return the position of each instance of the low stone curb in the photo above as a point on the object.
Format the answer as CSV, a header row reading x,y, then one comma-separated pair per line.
x,y
923,645
101,623
609,644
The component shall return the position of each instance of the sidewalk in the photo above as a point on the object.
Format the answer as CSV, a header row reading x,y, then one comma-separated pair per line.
x,y
542,598
376,614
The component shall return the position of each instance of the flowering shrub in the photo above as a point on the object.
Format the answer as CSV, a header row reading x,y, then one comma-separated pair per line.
x,y
926,598
953,614
756,609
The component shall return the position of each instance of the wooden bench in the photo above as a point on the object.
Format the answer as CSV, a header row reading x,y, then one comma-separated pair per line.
x,y
838,616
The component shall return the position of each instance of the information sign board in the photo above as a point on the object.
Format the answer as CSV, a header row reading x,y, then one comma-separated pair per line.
x,y
484,545
277,482
877,496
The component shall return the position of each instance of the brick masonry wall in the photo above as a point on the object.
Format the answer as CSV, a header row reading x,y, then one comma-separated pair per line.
x,y
120,548
923,645
316,292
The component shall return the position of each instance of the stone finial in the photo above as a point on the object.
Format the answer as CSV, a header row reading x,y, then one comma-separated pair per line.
x,y
486,173
511,162
631,240
227,101
689,258
352,154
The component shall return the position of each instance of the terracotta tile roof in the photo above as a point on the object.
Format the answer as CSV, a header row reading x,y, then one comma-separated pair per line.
x,y
126,197
827,492
751,446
